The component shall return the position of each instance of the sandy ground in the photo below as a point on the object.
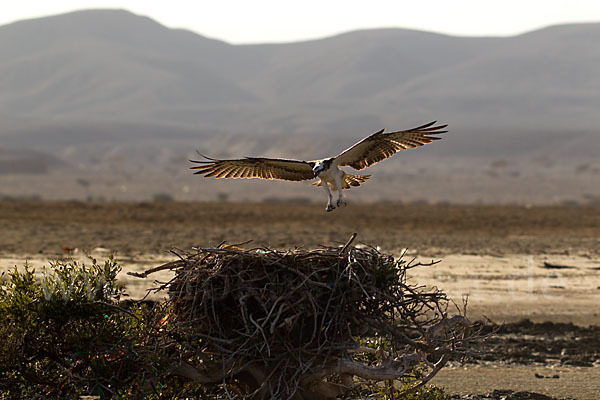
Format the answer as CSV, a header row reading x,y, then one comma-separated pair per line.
x,y
540,263
512,287
581,383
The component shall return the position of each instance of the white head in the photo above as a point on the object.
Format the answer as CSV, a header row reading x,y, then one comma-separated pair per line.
x,y
320,166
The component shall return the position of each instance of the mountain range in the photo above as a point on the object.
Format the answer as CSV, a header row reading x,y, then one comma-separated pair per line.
x,y
110,92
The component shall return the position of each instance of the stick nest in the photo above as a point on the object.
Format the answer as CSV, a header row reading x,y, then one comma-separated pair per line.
x,y
306,323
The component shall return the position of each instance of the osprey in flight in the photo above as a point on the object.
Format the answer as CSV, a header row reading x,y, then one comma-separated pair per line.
x,y
370,150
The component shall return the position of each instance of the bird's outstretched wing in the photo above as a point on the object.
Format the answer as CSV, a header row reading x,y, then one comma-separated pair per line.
x,y
250,167
380,146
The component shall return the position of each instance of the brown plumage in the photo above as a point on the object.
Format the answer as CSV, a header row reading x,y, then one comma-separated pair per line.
x,y
380,146
251,167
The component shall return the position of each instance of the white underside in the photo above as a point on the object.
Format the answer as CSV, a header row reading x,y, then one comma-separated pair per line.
x,y
331,180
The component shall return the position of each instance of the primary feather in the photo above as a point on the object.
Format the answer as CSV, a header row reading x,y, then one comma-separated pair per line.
x,y
251,167
380,145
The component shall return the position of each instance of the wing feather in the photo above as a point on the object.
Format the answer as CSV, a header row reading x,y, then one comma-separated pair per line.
x,y
254,167
379,146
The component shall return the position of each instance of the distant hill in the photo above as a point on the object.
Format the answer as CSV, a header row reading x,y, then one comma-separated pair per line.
x,y
88,85
24,161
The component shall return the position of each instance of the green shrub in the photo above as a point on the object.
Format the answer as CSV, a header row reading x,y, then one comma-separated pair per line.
x,y
66,335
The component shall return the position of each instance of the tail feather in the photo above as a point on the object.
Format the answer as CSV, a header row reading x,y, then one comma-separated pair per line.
x,y
350,181
354,180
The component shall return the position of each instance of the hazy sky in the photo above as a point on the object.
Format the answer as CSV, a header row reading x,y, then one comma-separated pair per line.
x,y
252,21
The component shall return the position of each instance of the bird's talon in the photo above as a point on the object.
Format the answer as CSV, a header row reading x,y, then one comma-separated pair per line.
x,y
330,207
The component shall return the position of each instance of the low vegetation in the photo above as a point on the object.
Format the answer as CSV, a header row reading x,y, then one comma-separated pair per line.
x,y
69,334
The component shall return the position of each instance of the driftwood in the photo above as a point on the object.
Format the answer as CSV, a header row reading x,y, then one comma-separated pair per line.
x,y
306,324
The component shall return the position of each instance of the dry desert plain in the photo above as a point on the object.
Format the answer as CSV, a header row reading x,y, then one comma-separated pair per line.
x,y
513,263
